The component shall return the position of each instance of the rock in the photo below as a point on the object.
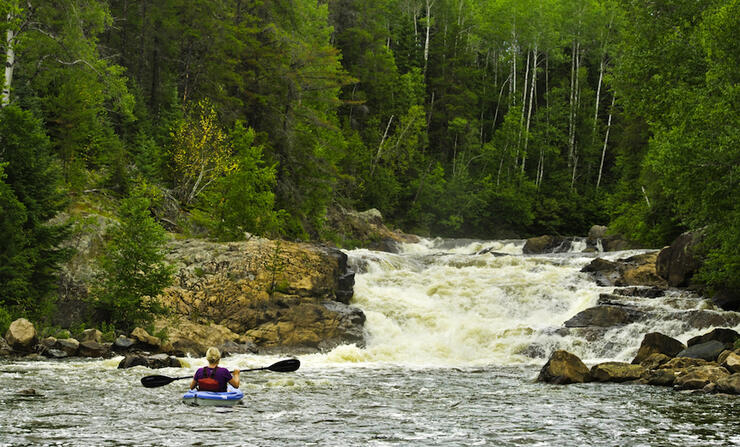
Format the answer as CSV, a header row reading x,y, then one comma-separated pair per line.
x,y
731,362
708,351
616,372
723,335
233,348
366,228
659,377
697,377
5,349
727,299
597,232
640,270
91,335
547,244
642,292
68,345
678,262
606,273
563,368
679,363
93,349
189,338
123,343
654,361
21,335
54,353
271,292
145,341
701,319
729,384
636,270
604,316
29,392
150,361
657,343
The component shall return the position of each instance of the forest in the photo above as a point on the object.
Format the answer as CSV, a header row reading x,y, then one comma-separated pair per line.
x,y
456,118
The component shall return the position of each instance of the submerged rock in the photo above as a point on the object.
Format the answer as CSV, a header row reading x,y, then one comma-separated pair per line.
x,y
563,368
616,372
697,377
729,384
150,361
604,316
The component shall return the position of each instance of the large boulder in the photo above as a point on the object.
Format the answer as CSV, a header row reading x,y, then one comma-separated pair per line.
x,y
698,377
722,335
708,351
191,338
94,349
654,361
91,335
616,372
729,384
657,343
604,316
123,344
145,341
680,363
563,368
365,228
638,270
68,345
658,377
547,244
21,335
678,262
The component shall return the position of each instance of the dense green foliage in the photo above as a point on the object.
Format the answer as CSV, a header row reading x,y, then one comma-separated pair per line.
x,y
468,118
133,268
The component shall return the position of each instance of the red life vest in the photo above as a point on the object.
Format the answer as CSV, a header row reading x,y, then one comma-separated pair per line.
x,y
208,383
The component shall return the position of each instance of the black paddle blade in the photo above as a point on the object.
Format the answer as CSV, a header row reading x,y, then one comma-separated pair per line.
x,y
156,381
284,366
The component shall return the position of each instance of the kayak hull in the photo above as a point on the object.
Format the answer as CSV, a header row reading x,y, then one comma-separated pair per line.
x,y
211,398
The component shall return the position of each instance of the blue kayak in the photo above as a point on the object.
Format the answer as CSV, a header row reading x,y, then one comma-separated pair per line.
x,y
231,396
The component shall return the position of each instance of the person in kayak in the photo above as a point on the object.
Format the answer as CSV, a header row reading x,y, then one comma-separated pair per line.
x,y
213,377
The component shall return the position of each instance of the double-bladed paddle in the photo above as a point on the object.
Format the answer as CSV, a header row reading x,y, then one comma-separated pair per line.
x,y
288,365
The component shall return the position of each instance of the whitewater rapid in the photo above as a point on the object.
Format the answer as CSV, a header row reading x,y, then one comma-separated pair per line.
x,y
460,303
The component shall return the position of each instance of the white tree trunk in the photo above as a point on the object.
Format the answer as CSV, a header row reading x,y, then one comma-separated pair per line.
x,y
9,64
529,107
429,4
606,140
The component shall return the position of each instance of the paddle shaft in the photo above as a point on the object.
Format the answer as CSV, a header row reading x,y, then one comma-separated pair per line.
x,y
281,366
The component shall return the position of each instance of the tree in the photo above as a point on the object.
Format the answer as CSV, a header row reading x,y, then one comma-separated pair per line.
x,y
31,196
201,153
134,270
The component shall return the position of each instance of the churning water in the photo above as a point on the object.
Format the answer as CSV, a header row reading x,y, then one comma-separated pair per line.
x,y
457,331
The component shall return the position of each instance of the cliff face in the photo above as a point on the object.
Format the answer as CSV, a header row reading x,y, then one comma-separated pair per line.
x,y
278,295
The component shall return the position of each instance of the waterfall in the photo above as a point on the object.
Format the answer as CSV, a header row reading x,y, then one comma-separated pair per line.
x,y
465,303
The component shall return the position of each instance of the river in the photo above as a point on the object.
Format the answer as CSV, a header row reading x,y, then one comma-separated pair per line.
x,y
455,341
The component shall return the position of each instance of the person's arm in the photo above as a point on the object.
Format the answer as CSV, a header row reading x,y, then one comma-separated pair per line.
x,y
192,384
234,379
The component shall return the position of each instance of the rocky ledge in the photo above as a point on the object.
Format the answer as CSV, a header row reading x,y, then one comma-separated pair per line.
x,y
273,295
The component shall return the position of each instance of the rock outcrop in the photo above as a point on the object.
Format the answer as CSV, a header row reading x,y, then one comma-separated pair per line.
x,y
365,228
279,295
616,372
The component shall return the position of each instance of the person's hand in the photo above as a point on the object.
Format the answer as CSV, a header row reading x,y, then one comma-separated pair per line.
x,y
236,372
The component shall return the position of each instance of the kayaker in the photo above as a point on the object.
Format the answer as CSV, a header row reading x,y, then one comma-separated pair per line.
x,y
213,377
